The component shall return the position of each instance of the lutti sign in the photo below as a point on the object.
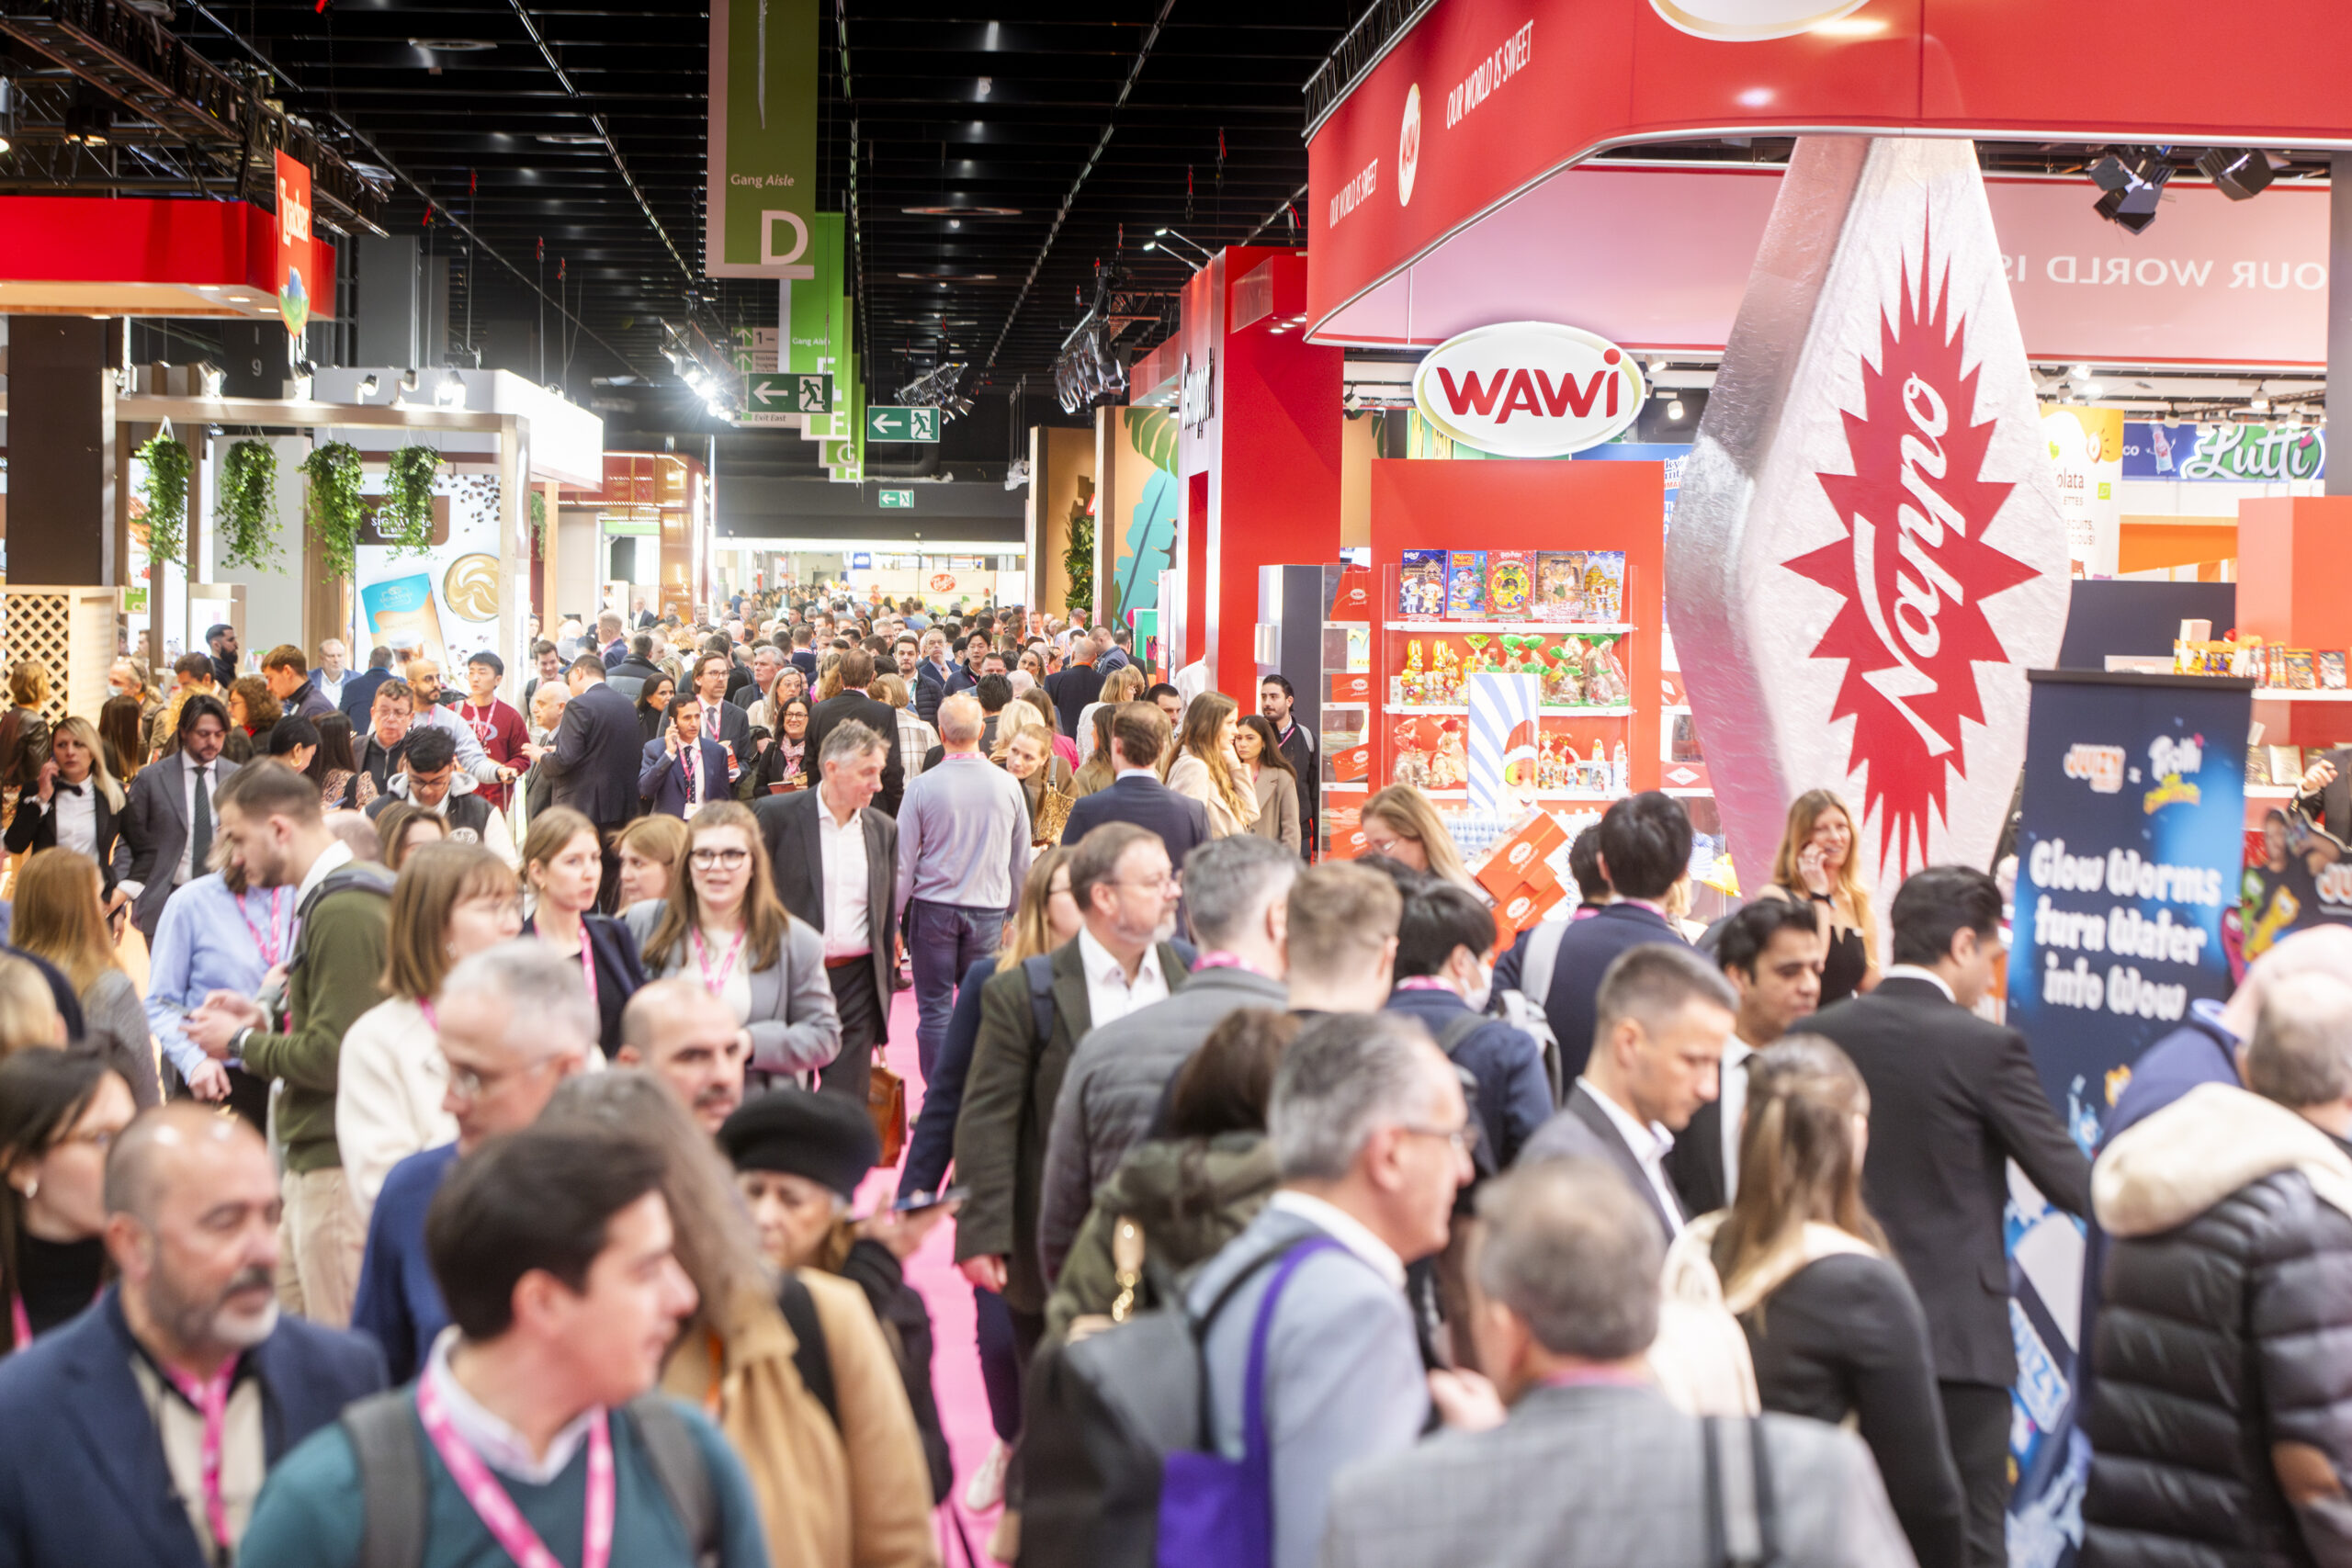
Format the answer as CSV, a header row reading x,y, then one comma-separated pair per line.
x,y
1529,389
294,269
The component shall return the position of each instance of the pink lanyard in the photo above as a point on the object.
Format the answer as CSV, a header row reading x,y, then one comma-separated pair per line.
x,y
1424,983
497,1510
432,1019
587,963
484,728
21,1326
1218,958
714,984
211,1397
271,946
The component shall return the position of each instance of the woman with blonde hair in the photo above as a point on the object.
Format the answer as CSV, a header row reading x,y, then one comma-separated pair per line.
x,y
73,803
1124,685
450,902
1204,766
1817,863
721,925
563,867
651,851
59,916
1834,1330
1399,822
840,1489
1097,772
28,1016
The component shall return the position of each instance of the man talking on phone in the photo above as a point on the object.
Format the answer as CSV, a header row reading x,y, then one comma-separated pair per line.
x,y
682,769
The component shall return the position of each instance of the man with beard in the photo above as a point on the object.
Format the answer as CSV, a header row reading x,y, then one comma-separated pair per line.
x,y
683,1035
1120,961
272,827
424,684
140,1432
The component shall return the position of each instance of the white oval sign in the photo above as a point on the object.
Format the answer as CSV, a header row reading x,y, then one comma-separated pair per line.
x,y
1528,389
1747,21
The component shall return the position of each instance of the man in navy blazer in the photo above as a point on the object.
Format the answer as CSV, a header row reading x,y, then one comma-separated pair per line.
x,y
1138,736
1645,850
681,770
359,692
101,1451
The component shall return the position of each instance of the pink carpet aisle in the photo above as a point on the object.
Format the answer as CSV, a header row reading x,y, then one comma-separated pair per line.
x,y
955,1365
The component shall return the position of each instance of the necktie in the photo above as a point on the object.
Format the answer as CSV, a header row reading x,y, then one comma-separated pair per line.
x,y
200,830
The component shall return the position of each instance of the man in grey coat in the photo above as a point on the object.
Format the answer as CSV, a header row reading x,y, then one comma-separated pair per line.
x,y
1593,1468
1236,888
1371,1135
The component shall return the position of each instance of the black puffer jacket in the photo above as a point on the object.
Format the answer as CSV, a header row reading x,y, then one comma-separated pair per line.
x,y
2223,1344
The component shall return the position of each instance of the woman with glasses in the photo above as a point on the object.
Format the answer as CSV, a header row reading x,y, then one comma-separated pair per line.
x,y
451,901
783,767
721,925
58,1115
562,864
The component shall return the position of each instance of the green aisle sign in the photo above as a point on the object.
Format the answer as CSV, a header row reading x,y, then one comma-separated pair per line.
x,y
897,500
760,192
789,391
886,422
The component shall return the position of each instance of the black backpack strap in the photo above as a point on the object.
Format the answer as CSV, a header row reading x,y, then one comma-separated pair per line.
x,y
1040,973
1742,1525
387,1448
810,1354
1457,1029
678,1465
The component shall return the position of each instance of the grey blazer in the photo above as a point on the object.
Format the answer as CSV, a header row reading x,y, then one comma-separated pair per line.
x,y
1582,1128
1278,809
155,826
795,1026
1344,1381
1113,1086
1602,1476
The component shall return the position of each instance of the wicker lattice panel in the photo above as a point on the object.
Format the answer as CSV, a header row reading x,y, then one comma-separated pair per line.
x,y
72,631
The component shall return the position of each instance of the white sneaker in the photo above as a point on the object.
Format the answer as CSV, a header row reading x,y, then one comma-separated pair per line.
x,y
986,1489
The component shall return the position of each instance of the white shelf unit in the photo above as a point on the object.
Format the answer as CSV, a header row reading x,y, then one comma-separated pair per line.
x,y
1410,709
1572,628
2290,694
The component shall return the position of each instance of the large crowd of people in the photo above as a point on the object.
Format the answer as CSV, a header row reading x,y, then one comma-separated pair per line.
x,y
485,1162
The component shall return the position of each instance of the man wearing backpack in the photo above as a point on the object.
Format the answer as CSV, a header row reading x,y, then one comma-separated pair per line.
x,y
271,824
1445,944
1593,1468
531,1427
1120,961
1371,1134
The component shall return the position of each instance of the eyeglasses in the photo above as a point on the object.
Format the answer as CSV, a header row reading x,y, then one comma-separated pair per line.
x,y
1463,1138
468,1085
1161,883
733,860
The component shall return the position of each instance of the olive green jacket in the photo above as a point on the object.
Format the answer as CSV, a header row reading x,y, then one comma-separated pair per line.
x,y
1190,1197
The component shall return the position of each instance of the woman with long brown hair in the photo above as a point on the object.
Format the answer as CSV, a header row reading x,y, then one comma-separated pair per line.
x,y
253,711
1833,1327
59,916
450,902
652,853
1276,782
122,736
59,1114
721,925
1817,863
562,868
24,732
1124,685
1204,766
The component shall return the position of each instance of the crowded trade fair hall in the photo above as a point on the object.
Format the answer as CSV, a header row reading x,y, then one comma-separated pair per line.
x,y
1358,784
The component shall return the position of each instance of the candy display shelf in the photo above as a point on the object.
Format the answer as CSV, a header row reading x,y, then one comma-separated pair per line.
x,y
1570,629
2297,695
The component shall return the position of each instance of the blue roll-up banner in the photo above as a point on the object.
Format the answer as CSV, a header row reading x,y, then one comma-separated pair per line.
x,y
2128,853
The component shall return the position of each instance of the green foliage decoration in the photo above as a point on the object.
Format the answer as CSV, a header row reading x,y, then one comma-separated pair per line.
x,y
246,513
334,507
165,489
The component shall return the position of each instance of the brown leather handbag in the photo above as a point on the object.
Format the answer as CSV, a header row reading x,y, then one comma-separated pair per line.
x,y
886,1101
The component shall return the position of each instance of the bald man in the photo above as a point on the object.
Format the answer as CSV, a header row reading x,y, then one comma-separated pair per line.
x,y
677,1030
103,1423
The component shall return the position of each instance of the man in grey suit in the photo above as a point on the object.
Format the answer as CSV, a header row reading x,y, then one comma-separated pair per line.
x,y
1237,889
1593,1468
1662,1018
834,858
1372,1138
168,820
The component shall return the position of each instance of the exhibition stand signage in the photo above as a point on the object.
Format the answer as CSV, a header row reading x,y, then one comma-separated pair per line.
x,y
1529,389
760,190
2126,857
1868,551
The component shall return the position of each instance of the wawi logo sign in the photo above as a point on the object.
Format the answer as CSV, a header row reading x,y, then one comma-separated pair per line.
x,y
1528,389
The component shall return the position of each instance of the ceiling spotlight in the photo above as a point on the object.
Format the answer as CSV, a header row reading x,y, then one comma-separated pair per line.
x,y
2259,402
1674,409
451,391
366,387
2240,173
2080,372
2131,188
2092,391
408,382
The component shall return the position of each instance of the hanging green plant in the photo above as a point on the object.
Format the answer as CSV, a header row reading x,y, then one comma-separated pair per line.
x,y
1078,556
405,520
539,520
334,508
246,515
165,489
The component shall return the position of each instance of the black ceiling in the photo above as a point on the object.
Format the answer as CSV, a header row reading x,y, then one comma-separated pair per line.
x,y
582,125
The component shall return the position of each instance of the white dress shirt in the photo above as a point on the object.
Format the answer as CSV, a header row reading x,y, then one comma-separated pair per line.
x,y
841,848
1108,993
211,773
1343,1228
494,1442
77,810
1650,1144
1917,972
1732,1097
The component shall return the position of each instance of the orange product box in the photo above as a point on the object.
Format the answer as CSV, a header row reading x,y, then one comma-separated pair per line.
x,y
1351,687
1352,765
1351,599
1524,907
1517,858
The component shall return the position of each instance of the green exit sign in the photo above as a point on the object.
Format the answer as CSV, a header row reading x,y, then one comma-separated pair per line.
x,y
898,500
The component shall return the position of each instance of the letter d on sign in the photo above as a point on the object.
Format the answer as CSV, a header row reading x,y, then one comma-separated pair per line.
x,y
768,219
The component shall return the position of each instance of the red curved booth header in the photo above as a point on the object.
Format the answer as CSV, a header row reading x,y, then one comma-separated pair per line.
x,y
1482,98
